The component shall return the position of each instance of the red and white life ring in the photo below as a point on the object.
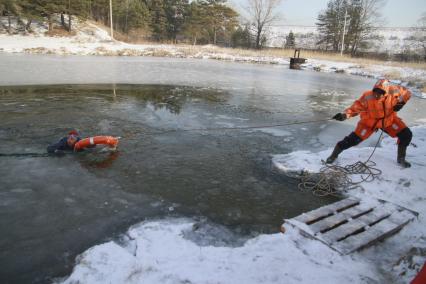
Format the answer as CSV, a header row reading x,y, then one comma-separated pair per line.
x,y
96,140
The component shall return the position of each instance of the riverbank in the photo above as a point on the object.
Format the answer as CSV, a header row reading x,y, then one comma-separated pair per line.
x,y
92,40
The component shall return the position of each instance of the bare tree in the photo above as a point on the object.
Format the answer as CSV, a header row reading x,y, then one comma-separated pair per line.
x,y
362,15
367,17
262,13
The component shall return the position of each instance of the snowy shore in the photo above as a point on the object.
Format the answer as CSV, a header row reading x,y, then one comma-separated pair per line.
x,y
92,40
164,251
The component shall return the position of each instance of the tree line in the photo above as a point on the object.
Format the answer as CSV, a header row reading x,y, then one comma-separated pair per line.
x,y
199,21
344,25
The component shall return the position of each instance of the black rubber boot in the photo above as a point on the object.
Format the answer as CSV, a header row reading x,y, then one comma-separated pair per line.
x,y
337,150
402,151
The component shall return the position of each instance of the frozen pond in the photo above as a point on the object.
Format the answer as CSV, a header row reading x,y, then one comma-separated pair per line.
x,y
53,208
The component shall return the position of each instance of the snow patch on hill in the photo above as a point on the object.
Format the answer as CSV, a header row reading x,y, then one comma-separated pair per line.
x,y
384,39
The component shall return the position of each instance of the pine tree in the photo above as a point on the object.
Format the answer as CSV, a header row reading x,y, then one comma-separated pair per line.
x,y
224,22
130,15
48,8
76,8
329,24
218,20
158,20
10,8
31,11
137,15
290,41
360,21
176,13
242,37
99,10
194,23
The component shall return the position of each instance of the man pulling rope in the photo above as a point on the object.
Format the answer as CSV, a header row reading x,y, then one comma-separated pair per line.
x,y
378,110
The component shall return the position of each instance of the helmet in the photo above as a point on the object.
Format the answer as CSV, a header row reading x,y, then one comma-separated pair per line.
x,y
73,132
381,86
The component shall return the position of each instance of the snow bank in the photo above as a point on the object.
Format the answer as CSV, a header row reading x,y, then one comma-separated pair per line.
x,y
158,252
416,77
164,251
404,254
405,187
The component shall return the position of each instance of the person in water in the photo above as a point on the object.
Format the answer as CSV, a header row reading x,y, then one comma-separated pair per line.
x,y
66,143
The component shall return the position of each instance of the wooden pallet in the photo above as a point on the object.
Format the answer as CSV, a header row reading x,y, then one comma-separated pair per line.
x,y
352,224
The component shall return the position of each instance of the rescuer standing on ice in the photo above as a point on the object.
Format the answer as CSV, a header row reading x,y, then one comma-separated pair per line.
x,y
378,110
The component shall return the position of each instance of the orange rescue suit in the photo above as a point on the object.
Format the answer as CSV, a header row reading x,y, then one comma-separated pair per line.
x,y
377,112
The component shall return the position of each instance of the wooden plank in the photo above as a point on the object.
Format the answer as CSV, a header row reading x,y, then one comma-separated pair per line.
x,y
351,224
377,232
355,225
339,218
321,213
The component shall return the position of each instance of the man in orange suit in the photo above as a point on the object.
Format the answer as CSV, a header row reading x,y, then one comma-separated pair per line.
x,y
378,110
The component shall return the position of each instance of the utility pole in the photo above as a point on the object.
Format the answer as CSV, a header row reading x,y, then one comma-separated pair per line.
x,y
69,16
127,16
344,31
110,18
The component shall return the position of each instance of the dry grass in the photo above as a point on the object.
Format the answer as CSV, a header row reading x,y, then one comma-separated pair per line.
x,y
160,52
345,58
138,36
61,32
394,75
286,53
424,89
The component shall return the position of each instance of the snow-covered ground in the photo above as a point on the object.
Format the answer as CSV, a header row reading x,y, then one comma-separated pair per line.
x,y
90,39
173,250
409,77
391,40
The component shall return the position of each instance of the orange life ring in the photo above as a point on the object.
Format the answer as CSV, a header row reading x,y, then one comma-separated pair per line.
x,y
96,140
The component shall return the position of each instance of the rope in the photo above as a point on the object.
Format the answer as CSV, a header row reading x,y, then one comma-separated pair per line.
x,y
332,179
40,155
329,181
29,155
236,128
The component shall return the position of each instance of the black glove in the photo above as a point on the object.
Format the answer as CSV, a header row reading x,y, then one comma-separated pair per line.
x,y
398,106
340,116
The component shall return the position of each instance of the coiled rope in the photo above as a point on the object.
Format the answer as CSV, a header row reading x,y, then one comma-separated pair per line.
x,y
333,179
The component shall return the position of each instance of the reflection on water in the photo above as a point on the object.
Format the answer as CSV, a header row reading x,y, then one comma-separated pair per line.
x,y
98,159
